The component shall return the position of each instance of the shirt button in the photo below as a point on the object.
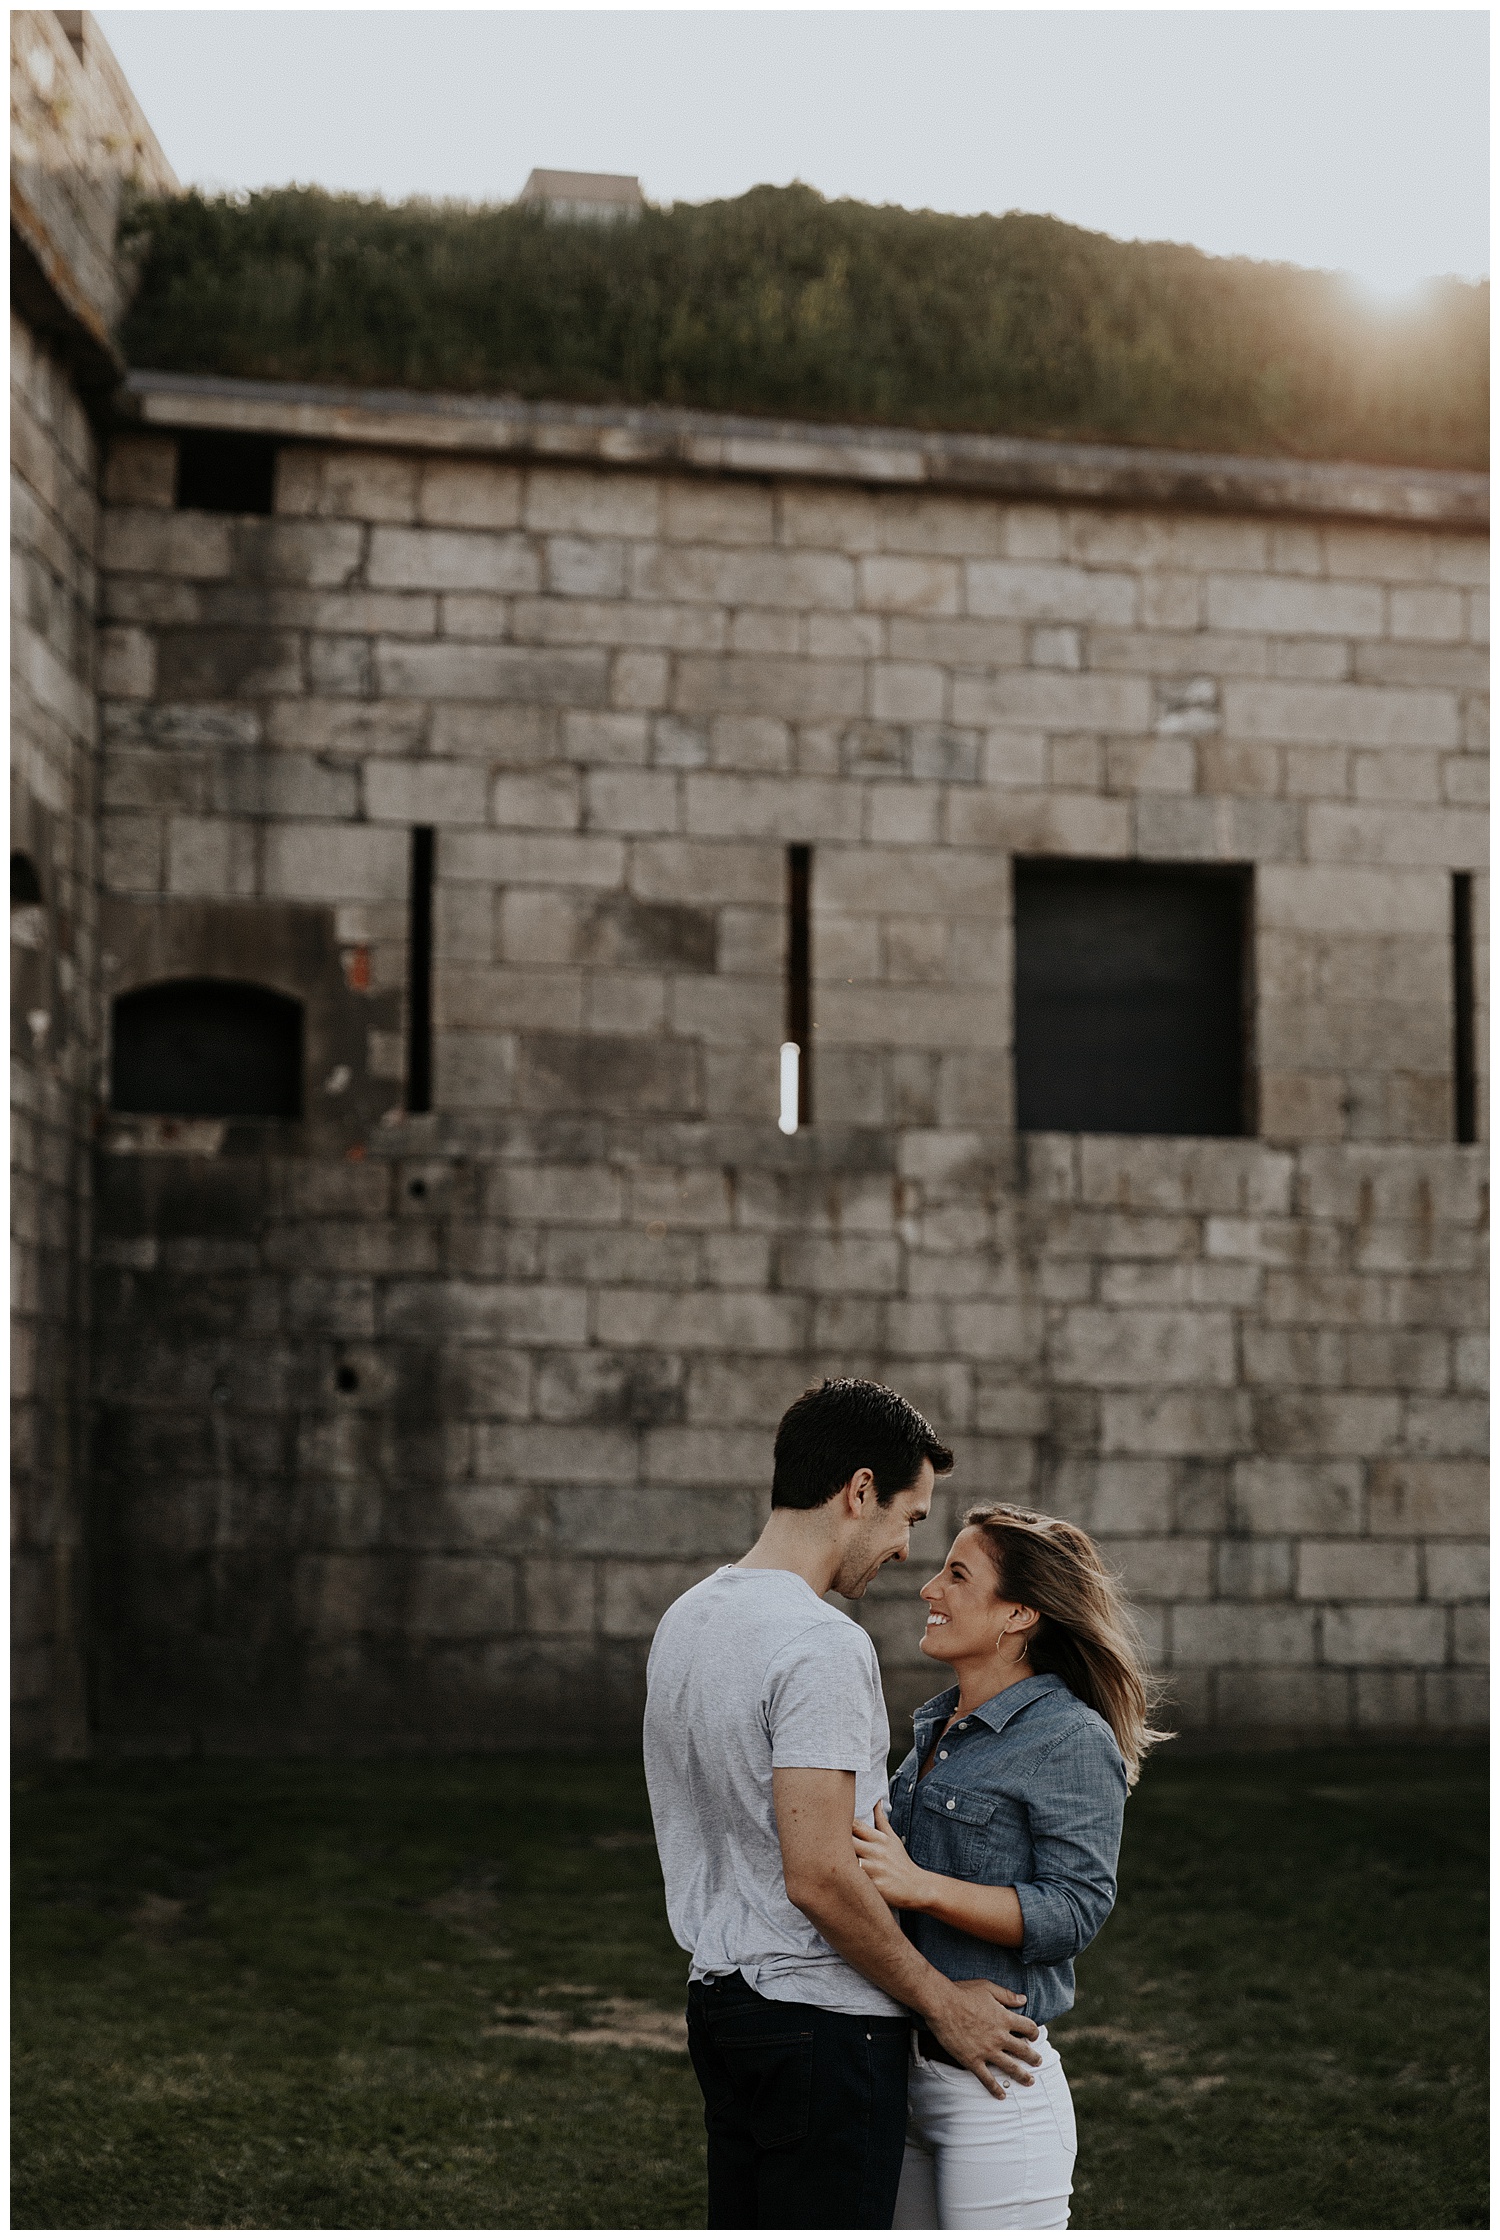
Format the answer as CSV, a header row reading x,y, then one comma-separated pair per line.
x,y
951,1803
942,1753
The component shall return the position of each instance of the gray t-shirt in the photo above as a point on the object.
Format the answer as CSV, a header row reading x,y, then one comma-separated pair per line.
x,y
751,1670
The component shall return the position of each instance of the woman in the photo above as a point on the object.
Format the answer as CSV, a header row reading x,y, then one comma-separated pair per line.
x,y
999,1851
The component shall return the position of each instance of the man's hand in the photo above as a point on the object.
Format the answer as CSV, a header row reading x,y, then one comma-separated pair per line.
x,y
824,1879
975,2024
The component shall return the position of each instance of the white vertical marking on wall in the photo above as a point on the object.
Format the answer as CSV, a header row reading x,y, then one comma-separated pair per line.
x,y
791,1060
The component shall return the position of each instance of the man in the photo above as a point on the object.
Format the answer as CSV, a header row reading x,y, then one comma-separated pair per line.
x,y
766,1736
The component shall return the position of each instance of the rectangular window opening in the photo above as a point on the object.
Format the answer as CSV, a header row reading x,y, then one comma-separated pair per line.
x,y
796,1050
1464,1085
225,473
1134,999
419,973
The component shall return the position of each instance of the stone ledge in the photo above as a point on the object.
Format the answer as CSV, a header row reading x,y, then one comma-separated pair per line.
x,y
710,443
47,293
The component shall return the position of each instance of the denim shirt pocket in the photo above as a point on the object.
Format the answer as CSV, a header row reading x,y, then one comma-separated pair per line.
x,y
954,1828
985,1837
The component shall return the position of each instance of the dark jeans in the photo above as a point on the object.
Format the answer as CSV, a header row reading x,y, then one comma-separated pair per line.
x,y
805,2110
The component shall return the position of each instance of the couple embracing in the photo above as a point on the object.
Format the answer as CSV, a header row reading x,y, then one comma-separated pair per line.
x,y
873,1971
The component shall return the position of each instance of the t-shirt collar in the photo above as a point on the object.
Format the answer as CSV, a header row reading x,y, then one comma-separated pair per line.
x,y
771,1571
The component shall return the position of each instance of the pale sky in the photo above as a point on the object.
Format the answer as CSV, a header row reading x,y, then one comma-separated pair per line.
x,y
1352,140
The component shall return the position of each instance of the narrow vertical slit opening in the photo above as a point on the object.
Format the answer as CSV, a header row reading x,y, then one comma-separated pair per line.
x,y
1463,1007
1249,1012
419,974
796,1050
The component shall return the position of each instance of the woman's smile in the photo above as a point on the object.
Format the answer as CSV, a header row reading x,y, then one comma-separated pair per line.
x,y
937,1620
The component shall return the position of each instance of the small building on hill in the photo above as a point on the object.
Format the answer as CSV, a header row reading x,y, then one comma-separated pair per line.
x,y
584,194
551,927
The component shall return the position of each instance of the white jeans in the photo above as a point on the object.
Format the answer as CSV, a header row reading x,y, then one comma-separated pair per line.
x,y
975,2163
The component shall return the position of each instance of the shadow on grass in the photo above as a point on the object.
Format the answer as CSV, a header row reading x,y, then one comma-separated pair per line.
x,y
435,1995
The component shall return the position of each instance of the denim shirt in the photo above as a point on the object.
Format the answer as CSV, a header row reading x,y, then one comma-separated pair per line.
x,y
1028,1790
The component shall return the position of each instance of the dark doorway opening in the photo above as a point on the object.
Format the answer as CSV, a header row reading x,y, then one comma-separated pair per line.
x,y
1133,999
225,474
207,1049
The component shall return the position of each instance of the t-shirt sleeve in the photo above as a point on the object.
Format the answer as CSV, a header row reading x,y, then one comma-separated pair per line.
x,y
820,1700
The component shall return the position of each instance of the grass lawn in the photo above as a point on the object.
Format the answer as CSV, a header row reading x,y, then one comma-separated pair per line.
x,y
297,1995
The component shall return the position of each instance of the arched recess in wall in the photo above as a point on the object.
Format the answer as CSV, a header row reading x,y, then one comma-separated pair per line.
x,y
25,881
207,1049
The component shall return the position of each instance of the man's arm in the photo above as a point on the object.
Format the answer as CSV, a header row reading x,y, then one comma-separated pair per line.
x,y
824,1880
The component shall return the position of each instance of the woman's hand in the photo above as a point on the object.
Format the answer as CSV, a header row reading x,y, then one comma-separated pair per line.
x,y
993,1913
888,1864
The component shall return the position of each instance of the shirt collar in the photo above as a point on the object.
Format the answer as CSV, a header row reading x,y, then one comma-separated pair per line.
x,y
936,1707
1000,1709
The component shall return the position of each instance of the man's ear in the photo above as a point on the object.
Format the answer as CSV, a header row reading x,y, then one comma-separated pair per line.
x,y
859,1493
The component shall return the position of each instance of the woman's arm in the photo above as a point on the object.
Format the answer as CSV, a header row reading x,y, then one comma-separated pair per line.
x,y
1076,1812
991,1913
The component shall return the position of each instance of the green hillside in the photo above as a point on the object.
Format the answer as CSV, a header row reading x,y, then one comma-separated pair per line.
x,y
783,303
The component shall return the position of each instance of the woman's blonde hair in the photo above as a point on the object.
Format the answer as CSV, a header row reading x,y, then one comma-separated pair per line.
x,y
1085,1634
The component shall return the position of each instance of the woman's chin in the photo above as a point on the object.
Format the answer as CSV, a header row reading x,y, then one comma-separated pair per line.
x,y
933,1644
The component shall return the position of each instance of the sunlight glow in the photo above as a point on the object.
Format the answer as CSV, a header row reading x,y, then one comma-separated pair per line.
x,y
1385,291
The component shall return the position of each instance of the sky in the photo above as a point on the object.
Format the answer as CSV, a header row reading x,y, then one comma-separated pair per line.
x,y
1351,140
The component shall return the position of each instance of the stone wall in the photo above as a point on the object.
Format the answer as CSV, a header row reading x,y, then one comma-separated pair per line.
x,y
54,1028
75,132
412,1424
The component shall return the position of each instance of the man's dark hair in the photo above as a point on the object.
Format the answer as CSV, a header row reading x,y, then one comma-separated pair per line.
x,y
844,1425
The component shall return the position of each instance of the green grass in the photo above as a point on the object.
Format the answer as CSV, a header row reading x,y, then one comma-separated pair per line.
x,y
781,302
1284,2022
259,1996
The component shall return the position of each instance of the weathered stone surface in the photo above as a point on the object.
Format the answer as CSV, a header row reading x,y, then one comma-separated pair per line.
x,y
1377,1634
1032,591
451,560
228,665
499,1379
1294,606
492,673
357,863
56,1022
